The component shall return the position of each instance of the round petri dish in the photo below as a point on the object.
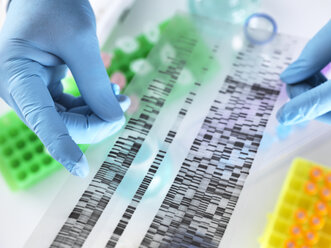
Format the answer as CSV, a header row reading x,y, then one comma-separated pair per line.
x,y
260,28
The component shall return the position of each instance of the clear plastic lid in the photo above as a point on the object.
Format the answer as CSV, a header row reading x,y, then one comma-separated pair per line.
x,y
260,28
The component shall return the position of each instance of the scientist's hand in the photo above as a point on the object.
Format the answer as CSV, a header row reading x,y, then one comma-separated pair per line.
x,y
39,38
309,90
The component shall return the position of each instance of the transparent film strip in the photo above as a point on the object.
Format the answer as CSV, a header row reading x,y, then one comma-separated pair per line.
x,y
174,173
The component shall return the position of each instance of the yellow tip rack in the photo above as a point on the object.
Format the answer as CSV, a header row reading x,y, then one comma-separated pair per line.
x,y
302,217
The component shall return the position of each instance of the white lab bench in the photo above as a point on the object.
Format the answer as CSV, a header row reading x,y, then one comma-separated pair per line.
x,y
20,212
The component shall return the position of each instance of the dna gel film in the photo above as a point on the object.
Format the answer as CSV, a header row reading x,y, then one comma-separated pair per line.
x,y
174,173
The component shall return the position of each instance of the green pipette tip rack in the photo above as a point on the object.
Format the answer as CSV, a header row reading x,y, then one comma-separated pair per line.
x,y
24,160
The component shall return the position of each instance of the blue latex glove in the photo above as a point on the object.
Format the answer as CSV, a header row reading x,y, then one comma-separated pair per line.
x,y
309,90
39,39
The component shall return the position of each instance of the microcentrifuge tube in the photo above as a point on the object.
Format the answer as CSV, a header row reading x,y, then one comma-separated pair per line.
x,y
321,208
295,231
300,216
260,28
316,222
310,188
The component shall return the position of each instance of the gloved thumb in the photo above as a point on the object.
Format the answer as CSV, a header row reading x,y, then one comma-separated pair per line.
x,y
315,55
306,106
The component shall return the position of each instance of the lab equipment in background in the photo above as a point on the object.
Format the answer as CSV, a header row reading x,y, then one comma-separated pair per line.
x,y
129,58
302,217
234,11
130,53
109,14
126,59
24,161
260,28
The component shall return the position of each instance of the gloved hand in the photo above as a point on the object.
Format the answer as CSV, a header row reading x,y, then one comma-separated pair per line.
x,y
308,88
39,38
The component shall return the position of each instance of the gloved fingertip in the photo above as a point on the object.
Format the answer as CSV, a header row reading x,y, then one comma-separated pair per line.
x,y
283,75
287,116
124,101
286,74
115,128
296,72
280,116
81,168
284,117
116,88
116,115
